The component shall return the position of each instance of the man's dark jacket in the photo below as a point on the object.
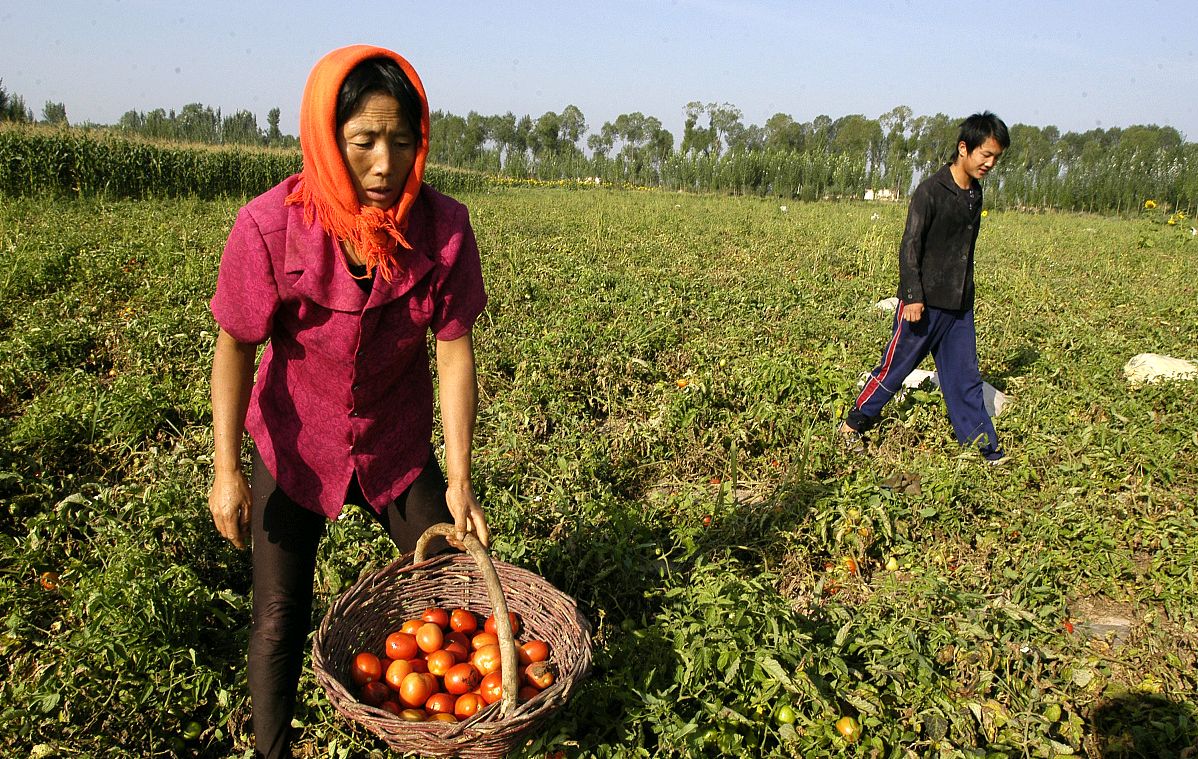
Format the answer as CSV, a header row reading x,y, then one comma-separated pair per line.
x,y
936,255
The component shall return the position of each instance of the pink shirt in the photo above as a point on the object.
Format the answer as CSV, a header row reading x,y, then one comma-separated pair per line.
x,y
344,384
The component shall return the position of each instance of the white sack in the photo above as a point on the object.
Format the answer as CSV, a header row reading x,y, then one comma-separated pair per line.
x,y
1147,368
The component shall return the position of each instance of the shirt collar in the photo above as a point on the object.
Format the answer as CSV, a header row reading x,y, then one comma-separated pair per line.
x,y
314,259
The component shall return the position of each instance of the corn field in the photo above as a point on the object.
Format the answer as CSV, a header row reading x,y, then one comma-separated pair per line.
x,y
79,163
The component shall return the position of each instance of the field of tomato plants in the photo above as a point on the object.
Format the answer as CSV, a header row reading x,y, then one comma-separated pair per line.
x,y
660,374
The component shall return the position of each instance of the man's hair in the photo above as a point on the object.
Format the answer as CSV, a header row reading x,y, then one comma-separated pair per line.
x,y
379,75
978,128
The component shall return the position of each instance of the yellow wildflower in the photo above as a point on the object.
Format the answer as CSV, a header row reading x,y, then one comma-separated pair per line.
x,y
985,213
1149,204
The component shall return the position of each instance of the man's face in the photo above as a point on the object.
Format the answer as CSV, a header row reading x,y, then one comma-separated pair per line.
x,y
978,162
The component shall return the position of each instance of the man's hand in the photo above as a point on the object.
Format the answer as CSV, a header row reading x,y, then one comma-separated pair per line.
x,y
912,312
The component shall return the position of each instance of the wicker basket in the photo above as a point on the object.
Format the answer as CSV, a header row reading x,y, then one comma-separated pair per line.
x,y
380,602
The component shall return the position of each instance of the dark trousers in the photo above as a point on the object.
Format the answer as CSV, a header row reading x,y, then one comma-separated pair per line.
x,y
951,339
286,537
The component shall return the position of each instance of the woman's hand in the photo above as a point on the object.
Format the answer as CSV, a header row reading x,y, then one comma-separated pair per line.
x,y
467,514
459,404
232,377
230,503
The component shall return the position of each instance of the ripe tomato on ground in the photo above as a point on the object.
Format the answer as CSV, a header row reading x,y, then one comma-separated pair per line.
x,y
365,668
848,728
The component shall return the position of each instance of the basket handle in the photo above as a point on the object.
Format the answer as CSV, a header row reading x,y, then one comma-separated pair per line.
x,y
503,623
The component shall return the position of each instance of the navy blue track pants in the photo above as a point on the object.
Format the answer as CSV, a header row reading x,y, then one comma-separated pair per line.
x,y
950,337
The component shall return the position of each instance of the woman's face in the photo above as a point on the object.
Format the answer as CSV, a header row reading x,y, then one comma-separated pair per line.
x,y
379,150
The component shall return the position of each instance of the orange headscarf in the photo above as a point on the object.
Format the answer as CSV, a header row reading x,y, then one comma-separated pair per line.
x,y
326,189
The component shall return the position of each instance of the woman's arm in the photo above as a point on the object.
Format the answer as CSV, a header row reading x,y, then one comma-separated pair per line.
x,y
459,406
232,378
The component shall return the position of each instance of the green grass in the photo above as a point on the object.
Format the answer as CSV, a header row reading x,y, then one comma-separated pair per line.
x,y
597,469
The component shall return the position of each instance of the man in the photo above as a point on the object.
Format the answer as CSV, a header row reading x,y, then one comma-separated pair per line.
x,y
935,310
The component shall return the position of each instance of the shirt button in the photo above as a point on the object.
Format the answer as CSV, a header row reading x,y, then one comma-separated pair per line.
x,y
356,387
354,414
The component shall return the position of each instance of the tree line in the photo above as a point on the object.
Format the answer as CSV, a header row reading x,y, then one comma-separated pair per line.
x,y
1112,169
195,122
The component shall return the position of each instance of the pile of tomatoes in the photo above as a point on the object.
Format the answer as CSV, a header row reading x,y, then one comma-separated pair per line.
x,y
443,667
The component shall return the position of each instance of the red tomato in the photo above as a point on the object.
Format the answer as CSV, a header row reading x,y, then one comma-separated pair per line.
x,y
401,645
462,678
399,669
527,693
414,690
458,637
391,706
376,692
533,651
429,637
491,688
540,674
442,717
366,668
487,660
467,705
418,665
483,639
413,715
437,616
459,650
492,628
463,621
411,626
440,703
439,662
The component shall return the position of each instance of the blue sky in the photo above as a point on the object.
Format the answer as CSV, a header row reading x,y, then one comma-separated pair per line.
x,y
1072,65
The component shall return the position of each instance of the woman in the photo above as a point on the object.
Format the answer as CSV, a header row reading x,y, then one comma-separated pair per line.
x,y
342,269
